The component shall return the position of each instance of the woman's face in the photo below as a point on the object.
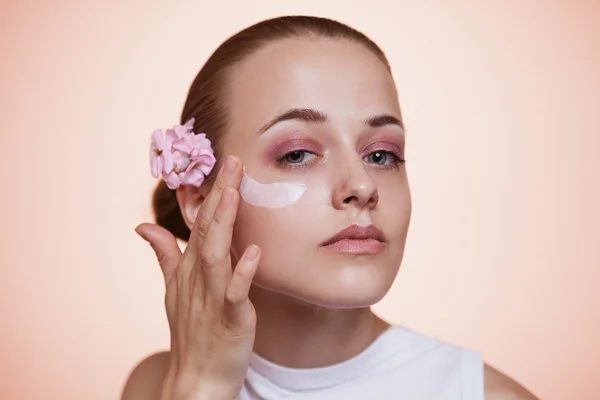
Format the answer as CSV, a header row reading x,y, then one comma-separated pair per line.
x,y
343,142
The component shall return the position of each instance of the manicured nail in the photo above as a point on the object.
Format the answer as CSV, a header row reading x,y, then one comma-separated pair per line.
x,y
252,253
230,165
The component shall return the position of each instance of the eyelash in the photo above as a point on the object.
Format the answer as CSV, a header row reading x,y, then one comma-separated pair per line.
x,y
283,163
397,160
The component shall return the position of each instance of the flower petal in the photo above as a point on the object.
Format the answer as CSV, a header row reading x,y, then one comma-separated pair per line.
x,y
158,139
180,162
180,131
172,180
184,144
156,164
167,159
205,162
189,125
170,137
193,176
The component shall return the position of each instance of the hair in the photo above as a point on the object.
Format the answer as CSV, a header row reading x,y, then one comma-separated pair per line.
x,y
205,97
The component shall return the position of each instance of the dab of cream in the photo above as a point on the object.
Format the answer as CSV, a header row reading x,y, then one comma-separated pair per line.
x,y
270,195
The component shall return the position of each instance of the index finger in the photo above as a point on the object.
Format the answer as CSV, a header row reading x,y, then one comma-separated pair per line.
x,y
230,175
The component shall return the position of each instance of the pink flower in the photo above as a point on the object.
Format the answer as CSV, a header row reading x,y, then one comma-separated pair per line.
x,y
185,129
180,156
198,150
180,162
198,170
172,180
160,153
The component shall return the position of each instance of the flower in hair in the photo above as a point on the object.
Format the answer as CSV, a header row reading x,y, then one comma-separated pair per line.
x,y
180,156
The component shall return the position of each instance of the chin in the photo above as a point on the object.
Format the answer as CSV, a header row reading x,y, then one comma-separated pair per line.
x,y
352,291
354,286
345,300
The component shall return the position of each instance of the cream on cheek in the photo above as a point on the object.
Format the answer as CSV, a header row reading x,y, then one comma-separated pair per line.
x,y
276,194
270,195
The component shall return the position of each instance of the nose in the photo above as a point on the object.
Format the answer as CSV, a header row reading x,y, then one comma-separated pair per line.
x,y
355,188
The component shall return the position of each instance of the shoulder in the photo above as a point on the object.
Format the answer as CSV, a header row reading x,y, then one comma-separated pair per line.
x,y
146,378
499,386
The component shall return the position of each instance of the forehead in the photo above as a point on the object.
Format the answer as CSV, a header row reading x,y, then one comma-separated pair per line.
x,y
341,78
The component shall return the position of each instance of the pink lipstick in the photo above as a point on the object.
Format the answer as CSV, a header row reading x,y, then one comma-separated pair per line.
x,y
356,240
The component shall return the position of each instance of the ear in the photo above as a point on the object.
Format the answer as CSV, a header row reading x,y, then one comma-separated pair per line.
x,y
190,199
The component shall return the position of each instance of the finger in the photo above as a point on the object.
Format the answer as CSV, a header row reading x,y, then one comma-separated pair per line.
x,y
164,245
215,265
229,176
238,309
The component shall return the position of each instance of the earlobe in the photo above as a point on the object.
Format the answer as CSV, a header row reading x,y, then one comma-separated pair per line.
x,y
190,199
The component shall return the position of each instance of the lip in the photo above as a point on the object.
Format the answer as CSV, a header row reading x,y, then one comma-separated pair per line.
x,y
357,239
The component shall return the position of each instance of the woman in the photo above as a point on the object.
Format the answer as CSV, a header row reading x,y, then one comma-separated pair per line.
x,y
296,224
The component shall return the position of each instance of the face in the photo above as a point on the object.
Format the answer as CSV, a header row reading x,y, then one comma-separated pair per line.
x,y
323,114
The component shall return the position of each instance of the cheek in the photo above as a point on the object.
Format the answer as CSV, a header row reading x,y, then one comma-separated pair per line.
x,y
392,183
278,232
395,206
284,234
274,213
287,240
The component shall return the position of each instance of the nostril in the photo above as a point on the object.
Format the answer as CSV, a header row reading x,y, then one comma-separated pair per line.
x,y
349,199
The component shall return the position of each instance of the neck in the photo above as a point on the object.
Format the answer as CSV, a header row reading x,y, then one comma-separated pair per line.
x,y
296,334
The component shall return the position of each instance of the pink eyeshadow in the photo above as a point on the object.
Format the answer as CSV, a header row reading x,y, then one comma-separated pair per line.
x,y
294,143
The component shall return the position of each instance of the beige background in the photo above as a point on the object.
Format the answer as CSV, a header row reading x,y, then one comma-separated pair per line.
x,y
501,100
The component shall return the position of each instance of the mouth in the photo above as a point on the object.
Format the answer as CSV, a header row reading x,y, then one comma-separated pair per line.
x,y
356,240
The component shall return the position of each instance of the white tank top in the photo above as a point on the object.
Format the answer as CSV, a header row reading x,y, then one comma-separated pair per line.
x,y
400,364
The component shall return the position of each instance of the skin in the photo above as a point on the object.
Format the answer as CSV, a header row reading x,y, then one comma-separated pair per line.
x,y
301,290
306,296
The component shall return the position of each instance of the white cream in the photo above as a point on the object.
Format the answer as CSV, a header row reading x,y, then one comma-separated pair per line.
x,y
270,195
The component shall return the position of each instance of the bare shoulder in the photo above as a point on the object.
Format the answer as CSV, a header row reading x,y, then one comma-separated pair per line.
x,y
145,380
499,386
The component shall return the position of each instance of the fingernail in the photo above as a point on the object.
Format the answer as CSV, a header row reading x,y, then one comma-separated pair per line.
x,y
252,253
230,165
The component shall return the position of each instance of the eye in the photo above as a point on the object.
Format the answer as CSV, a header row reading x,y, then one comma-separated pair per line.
x,y
297,157
383,158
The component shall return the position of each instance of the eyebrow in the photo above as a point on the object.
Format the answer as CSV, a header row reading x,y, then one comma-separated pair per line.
x,y
319,117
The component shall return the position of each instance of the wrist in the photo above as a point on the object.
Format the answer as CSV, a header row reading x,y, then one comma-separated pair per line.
x,y
196,389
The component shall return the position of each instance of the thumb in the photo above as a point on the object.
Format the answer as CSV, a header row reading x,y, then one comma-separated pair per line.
x,y
164,245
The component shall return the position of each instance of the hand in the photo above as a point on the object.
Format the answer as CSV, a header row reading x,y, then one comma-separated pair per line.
x,y
212,322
